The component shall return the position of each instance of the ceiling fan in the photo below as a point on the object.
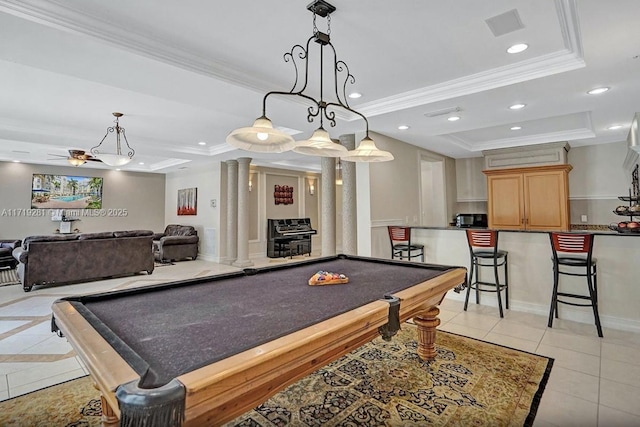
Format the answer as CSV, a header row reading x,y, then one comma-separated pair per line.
x,y
77,157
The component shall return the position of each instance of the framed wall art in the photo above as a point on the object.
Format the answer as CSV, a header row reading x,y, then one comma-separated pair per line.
x,y
283,194
188,201
66,192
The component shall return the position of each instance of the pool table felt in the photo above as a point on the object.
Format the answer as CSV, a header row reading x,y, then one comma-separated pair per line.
x,y
178,329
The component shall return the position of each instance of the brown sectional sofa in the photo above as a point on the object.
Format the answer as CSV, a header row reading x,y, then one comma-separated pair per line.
x,y
71,258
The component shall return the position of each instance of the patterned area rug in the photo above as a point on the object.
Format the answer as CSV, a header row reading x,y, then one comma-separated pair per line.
x,y
470,383
8,277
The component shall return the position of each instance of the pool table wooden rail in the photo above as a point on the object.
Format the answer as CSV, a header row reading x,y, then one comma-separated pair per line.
x,y
107,369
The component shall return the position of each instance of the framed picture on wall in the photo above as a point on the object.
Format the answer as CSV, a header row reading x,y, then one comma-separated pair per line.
x,y
188,201
283,195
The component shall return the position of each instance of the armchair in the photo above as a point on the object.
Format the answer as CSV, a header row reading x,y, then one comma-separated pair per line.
x,y
6,249
175,243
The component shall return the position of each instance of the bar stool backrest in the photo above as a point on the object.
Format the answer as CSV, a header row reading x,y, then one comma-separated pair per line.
x,y
572,243
399,233
482,238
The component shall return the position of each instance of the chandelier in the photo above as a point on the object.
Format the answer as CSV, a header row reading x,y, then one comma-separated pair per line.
x,y
263,137
117,158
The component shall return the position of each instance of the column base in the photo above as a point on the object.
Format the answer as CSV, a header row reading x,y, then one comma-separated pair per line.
x,y
242,263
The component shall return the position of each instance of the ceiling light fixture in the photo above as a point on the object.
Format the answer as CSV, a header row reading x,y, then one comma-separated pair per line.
x,y
262,137
117,158
75,161
202,143
517,48
516,127
517,106
355,95
453,118
403,127
598,90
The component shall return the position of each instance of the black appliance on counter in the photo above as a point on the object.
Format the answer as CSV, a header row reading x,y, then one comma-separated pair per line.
x,y
288,237
471,220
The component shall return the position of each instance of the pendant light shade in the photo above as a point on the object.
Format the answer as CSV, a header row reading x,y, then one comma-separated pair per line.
x,y
261,138
320,144
367,152
114,159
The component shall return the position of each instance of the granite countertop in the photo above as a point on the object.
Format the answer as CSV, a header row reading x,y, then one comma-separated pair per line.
x,y
599,230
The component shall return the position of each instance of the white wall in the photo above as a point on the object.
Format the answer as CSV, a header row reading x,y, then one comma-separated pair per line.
x,y
140,194
207,221
597,179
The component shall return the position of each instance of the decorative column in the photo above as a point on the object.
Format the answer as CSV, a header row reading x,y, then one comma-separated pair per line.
x,y
328,212
349,205
243,213
232,212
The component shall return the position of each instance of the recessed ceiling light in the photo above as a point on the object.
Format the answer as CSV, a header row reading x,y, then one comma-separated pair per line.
x,y
118,169
453,118
202,143
614,127
141,163
16,161
403,127
355,95
517,48
517,106
516,127
598,90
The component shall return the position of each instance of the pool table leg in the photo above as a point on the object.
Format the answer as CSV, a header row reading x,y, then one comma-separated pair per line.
x,y
109,418
427,321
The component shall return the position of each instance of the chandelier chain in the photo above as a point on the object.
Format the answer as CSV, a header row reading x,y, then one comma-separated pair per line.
x,y
315,27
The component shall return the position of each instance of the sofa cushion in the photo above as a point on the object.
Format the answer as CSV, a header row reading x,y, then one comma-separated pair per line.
x,y
93,236
178,240
133,233
49,238
179,230
5,252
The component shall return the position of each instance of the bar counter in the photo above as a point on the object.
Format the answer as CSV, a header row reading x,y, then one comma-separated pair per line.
x,y
531,274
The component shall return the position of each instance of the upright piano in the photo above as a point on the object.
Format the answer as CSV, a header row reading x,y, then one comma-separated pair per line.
x,y
289,237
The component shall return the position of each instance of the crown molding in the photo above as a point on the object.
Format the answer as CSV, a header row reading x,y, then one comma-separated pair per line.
x,y
56,14
568,135
570,58
554,63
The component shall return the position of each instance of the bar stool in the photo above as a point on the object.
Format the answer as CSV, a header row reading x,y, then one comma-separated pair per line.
x,y
401,246
574,251
483,249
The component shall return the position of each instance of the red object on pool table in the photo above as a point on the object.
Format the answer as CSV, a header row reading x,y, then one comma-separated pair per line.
x,y
203,351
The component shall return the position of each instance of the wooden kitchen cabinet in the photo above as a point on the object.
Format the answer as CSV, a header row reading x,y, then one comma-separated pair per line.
x,y
532,198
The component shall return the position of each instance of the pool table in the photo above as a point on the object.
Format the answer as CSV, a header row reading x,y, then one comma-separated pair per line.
x,y
204,351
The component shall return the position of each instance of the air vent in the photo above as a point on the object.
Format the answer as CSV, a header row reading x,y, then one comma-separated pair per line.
x,y
505,23
442,112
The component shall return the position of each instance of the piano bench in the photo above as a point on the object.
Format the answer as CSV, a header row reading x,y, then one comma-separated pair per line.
x,y
301,247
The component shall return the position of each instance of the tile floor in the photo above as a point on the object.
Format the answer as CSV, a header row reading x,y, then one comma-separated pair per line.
x,y
594,381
